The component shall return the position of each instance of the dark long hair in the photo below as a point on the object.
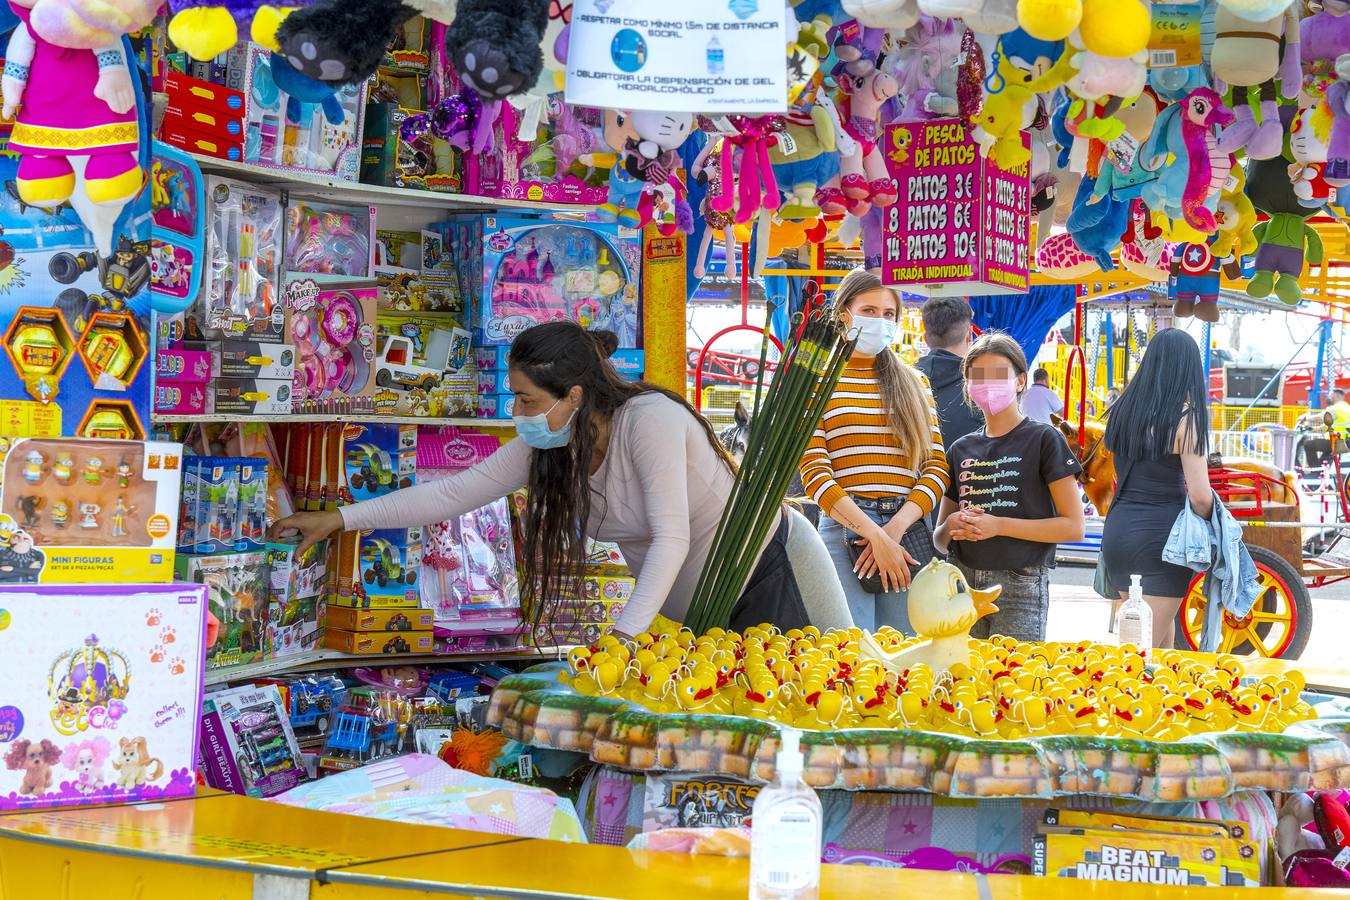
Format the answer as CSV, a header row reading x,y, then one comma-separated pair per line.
x,y
558,356
1170,392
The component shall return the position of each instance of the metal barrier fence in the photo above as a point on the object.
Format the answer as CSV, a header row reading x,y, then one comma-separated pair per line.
x,y
1240,418
1231,445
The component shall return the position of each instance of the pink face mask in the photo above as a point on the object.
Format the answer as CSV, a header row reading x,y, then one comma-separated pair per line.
x,y
993,396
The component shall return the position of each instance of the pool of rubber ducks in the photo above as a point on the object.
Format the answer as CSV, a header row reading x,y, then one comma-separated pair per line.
x,y
1021,720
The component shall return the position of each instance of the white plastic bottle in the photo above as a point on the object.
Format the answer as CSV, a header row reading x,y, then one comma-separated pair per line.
x,y
785,831
1136,617
717,61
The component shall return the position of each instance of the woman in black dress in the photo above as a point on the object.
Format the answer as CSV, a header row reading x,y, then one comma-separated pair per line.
x,y
1159,433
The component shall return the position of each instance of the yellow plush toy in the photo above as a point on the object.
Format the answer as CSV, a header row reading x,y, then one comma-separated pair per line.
x,y
1026,67
1236,217
1049,20
204,29
1115,28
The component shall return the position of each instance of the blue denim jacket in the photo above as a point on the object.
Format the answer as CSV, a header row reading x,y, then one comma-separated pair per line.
x,y
1215,547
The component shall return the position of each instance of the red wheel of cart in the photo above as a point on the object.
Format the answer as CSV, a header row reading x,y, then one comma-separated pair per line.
x,y
1278,625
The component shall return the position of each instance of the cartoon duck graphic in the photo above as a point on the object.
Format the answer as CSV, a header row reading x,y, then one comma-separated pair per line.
x,y
904,139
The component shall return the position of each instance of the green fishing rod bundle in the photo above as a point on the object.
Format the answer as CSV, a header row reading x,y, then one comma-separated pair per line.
x,y
782,426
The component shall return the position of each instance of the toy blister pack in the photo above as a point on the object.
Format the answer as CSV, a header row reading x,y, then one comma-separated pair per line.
x,y
539,271
568,163
299,582
239,298
178,240
74,322
377,459
247,744
378,569
333,329
416,353
103,694
470,567
78,511
224,504
320,136
326,239
237,590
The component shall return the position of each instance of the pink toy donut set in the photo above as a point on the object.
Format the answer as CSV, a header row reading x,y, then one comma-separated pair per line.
x,y
333,329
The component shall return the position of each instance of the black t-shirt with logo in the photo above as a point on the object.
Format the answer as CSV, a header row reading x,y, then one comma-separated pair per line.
x,y
1009,476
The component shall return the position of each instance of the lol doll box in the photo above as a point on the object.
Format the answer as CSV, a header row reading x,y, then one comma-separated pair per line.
x,y
103,695
78,511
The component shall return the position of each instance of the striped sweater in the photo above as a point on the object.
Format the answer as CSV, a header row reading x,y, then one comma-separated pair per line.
x,y
854,451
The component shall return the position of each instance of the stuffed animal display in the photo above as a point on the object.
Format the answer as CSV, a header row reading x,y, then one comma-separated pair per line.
x,y
1140,125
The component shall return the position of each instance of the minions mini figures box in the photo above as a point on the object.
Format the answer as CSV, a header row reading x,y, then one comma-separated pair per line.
x,y
78,511
103,695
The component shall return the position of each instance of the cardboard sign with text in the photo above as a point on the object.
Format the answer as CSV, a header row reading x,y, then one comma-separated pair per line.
x,y
961,224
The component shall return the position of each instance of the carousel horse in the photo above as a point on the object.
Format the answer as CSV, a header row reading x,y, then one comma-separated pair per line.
x,y
1099,468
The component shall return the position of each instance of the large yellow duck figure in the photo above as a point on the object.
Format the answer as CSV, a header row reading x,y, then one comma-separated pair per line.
x,y
942,609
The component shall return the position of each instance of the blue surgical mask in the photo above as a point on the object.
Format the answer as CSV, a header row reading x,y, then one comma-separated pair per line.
x,y
874,335
534,430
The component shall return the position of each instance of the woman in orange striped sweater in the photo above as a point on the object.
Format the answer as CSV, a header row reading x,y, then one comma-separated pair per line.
x,y
876,465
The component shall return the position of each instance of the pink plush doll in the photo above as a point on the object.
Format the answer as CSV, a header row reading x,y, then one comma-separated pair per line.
x,y
86,759
67,78
863,181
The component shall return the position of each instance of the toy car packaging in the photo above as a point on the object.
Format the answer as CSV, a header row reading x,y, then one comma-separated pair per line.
x,y
378,459
102,694
247,743
80,511
378,569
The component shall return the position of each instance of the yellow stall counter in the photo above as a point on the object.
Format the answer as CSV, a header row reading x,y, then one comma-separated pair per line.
x,y
224,847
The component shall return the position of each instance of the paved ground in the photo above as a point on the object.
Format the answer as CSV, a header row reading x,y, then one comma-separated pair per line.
x,y
1076,612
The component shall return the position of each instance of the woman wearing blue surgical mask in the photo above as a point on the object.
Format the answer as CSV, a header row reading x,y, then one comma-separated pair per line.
x,y
617,461
876,464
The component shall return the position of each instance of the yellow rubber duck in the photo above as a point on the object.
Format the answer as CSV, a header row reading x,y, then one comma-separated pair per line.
x,y
942,609
824,714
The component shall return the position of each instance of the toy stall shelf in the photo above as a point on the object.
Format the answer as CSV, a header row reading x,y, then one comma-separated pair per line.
x,y
333,659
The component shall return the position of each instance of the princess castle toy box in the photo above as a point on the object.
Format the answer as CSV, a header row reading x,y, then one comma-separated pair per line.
x,y
103,701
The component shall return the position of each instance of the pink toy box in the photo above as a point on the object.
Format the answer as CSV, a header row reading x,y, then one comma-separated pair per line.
x,y
568,141
103,693
537,270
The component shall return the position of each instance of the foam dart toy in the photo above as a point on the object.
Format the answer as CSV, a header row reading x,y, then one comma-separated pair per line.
x,y
1333,821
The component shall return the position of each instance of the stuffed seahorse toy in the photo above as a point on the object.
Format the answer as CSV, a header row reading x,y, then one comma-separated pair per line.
x,y
1185,133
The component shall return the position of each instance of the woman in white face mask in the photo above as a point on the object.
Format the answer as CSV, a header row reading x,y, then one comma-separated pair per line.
x,y
619,461
876,464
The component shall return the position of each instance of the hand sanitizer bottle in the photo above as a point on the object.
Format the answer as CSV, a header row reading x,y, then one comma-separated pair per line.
x,y
1136,618
785,831
717,62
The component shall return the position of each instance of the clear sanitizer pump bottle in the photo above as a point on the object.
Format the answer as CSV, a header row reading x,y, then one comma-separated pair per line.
x,y
785,831
1136,618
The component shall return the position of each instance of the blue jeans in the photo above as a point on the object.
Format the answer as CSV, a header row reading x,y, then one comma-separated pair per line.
x,y
870,611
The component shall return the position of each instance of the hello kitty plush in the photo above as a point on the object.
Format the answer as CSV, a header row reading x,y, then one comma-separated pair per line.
x,y
68,85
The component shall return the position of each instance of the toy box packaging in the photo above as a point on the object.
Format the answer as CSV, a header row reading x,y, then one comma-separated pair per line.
x,y
378,642
416,354
403,275
237,590
1099,819
387,158
330,240
410,50
333,329
78,511
247,746
244,359
1145,857
103,693
183,365
378,569
544,169
298,584
252,396
183,398
312,702
224,504
342,618
243,251
495,406
539,271
286,133
75,322
377,459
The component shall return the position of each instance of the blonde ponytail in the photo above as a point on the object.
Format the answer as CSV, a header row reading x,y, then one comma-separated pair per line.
x,y
903,394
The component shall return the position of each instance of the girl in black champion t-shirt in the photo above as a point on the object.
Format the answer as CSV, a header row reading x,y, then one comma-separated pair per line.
x,y
1013,495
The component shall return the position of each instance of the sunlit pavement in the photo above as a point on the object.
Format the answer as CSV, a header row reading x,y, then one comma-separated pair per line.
x,y
1077,613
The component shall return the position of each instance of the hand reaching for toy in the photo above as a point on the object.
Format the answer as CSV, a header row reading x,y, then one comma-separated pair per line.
x,y
311,526
114,88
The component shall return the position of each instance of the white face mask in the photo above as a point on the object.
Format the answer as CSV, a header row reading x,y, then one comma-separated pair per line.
x,y
874,335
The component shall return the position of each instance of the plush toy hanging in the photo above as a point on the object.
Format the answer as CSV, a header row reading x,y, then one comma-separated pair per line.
x,y
1020,68
649,144
1286,240
68,85
806,153
1186,133
1255,54
204,29
1194,283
